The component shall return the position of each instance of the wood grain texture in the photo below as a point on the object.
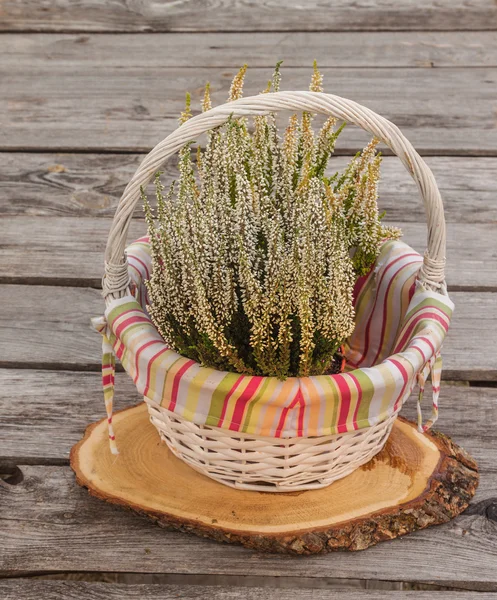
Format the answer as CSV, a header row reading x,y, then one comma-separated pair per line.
x,y
81,91
227,15
416,481
56,407
29,589
50,524
446,111
48,327
58,184
70,250
341,50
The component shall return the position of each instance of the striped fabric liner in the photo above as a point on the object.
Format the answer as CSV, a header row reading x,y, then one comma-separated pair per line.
x,y
139,266
400,330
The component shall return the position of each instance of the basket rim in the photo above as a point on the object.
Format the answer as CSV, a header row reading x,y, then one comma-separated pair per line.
x,y
400,368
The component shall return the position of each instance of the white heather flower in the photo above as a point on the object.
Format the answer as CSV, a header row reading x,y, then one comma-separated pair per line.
x,y
254,264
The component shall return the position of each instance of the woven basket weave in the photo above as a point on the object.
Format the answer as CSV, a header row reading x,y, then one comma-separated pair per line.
x,y
259,462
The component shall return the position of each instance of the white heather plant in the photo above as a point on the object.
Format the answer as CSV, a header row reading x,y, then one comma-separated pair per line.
x,y
255,257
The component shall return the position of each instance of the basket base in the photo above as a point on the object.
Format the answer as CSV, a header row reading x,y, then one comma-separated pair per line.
x,y
263,464
416,481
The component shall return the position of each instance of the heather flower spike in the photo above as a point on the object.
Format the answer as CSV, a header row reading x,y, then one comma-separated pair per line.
x,y
187,113
206,102
236,90
317,79
276,80
255,259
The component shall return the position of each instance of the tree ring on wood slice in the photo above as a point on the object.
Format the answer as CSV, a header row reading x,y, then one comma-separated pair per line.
x,y
416,481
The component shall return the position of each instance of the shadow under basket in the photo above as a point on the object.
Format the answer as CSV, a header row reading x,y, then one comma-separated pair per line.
x,y
268,464
402,315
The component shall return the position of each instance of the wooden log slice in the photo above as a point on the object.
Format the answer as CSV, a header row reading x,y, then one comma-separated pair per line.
x,y
416,481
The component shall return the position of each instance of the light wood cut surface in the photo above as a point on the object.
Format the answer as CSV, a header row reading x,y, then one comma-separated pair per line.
x,y
416,481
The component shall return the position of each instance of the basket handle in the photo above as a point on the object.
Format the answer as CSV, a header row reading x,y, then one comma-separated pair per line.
x,y
116,279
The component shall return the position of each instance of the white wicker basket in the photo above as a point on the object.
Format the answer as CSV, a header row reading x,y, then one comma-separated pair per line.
x,y
250,462
264,463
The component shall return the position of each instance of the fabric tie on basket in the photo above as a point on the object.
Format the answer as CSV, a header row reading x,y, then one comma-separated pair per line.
x,y
433,366
399,332
108,375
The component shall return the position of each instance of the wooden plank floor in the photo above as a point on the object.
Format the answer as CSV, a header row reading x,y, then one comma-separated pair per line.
x,y
48,114
238,16
87,88
33,590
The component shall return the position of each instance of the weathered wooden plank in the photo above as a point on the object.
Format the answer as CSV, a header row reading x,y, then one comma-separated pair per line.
x,y
218,15
48,327
446,111
204,583
34,589
49,523
70,250
44,413
91,185
342,49
80,185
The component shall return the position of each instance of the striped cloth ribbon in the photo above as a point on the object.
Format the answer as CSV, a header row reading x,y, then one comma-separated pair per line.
x,y
108,375
433,367
396,343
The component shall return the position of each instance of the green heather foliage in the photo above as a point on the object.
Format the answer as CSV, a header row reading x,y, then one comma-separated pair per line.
x,y
256,251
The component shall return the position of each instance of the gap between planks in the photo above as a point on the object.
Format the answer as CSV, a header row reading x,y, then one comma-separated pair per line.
x,y
346,152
